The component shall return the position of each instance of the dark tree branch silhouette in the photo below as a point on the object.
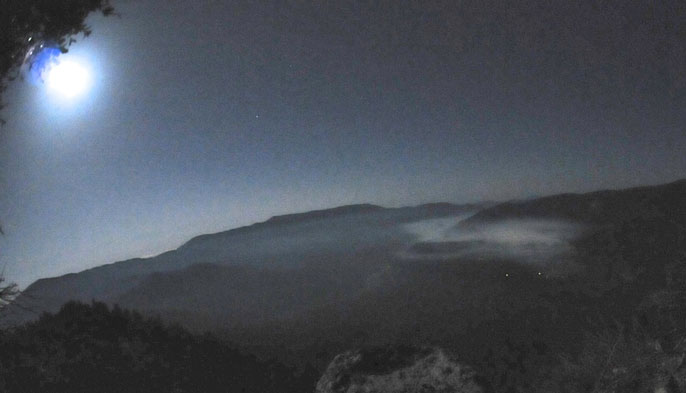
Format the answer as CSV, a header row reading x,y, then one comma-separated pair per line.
x,y
7,292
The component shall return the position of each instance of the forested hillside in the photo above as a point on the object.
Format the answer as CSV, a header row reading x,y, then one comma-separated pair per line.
x,y
96,349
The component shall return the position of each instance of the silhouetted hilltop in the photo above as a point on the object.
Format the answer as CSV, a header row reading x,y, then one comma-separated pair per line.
x,y
329,240
366,214
600,207
325,213
295,218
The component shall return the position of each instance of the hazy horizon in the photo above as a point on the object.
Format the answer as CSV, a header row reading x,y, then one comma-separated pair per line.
x,y
207,116
420,229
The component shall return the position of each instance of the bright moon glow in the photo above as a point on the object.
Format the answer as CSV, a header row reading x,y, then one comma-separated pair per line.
x,y
68,78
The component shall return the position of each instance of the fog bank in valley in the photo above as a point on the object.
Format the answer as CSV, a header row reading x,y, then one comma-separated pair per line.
x,y
524,240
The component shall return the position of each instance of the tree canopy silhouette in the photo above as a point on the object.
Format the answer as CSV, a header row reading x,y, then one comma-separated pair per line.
x,y
7,292
97,349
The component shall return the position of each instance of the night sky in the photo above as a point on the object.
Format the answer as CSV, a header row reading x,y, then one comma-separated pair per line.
x,y
208,115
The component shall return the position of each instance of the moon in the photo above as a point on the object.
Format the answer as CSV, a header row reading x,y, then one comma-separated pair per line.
x,y
67,78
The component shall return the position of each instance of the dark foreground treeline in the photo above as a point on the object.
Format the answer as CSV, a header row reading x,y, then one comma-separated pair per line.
x,y
92,348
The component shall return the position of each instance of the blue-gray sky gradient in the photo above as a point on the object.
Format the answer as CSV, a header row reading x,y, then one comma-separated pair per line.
x,y
207,115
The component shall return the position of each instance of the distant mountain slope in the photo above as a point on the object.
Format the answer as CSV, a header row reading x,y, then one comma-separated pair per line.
x,y
333,237
306,287
503,312
600,207
631,234
323,214
209,296
350,249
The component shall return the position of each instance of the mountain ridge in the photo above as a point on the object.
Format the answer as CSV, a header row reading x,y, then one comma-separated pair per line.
x,y
355,248
280,242
585,207
292,218
303,289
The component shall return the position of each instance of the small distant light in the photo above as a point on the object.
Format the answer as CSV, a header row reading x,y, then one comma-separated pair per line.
x,y
507,274
539,273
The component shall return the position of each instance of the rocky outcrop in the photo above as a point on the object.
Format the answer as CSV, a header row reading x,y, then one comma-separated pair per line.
x,y
399,370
